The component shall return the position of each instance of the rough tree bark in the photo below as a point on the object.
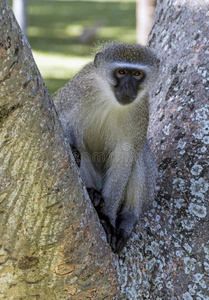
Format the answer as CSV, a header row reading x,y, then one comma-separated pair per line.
x,y
52,245
168,258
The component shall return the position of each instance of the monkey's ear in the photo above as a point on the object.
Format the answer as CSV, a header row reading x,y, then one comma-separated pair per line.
x,y
97,59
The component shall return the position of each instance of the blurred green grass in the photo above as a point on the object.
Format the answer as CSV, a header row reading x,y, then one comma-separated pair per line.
x,y
54,27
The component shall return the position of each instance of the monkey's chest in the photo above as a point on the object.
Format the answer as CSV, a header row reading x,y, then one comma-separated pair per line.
x,y
104,131
99,143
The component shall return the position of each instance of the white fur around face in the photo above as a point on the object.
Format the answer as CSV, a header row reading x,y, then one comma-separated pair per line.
x,y
127,65
149,71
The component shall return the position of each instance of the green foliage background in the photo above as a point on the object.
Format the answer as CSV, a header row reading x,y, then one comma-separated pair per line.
x,y
55,25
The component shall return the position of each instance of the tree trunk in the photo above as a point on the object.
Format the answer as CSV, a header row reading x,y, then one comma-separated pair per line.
x,y
20,12
145,10
52,245
168,257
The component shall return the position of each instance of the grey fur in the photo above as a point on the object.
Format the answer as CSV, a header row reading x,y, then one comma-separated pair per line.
x,y
112,138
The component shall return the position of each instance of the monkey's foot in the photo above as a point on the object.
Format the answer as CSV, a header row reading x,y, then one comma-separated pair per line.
x,y
125,223
116,237
119,240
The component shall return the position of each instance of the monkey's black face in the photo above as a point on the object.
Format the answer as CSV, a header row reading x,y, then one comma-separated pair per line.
x,y
128,84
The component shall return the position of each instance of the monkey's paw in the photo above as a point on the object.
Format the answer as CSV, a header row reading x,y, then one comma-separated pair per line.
x,y
125,224
119,240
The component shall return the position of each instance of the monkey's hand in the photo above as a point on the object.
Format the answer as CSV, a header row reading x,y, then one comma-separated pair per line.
x,y
125,223
119,240
116,237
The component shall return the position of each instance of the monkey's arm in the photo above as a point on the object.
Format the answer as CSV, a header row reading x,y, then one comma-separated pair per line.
x,y
138,189
90,176
118,171
135,195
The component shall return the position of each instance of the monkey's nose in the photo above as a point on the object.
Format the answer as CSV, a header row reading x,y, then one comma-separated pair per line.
x,y
129,91
127,86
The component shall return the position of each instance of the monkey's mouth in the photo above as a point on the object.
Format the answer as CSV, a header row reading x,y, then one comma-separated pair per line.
x,y
124,99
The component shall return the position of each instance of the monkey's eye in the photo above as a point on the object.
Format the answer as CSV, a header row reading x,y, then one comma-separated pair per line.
x,y
120,73
138,74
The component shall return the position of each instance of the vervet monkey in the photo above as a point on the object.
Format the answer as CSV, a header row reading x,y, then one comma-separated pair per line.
x,y
104,111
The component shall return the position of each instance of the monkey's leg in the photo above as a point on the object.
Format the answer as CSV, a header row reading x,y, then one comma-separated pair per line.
x,y
89,175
